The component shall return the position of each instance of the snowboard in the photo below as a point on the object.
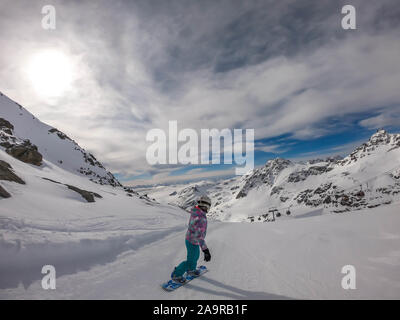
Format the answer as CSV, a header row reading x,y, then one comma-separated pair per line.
x,y
171,285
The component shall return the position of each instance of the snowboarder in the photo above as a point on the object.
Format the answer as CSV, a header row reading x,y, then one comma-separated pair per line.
x,y
194,239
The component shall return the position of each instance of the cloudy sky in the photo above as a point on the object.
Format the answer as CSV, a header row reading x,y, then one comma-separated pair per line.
x,y
284,68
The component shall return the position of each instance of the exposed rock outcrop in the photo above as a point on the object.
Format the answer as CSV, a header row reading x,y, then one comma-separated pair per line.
x,y
26,152
6,126
264,176
22,150
311,171
87,195
4,193
6,131
60,134
6,173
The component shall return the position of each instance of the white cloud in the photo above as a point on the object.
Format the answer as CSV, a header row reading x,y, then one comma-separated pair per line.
x,y
129,81
385,119
191,175
272,148
342,150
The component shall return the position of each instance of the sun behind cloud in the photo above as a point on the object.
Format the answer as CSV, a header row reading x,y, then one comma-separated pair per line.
x,y
51,73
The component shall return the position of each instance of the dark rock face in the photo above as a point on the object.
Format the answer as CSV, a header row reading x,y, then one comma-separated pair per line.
x,y
4,193
276,190
51,180
103,180
6,126
329,194
22,150
26,152
87,195
60,134
241,194
283,199
6,173
304,174
130,192
6,137
333,159
265,175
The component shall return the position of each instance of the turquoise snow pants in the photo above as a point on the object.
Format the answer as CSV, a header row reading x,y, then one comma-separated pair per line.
x,y
193,254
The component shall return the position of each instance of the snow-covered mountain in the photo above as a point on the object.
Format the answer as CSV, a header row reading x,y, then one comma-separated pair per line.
x,y
368,177
26,138
183,196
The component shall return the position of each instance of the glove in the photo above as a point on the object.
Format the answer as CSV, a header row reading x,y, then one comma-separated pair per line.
x,y
207,255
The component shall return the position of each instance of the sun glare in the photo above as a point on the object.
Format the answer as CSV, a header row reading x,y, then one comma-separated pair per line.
x,y
51,73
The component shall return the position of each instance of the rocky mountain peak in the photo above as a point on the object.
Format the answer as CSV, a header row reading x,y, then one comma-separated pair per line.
x,y
380,141
265,175
380,137
278,163
31,141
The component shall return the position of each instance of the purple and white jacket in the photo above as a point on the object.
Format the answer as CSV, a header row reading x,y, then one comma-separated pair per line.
x,y
197,228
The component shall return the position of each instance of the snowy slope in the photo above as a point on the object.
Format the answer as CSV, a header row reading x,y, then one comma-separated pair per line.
x,y
47,223
298,258
56,147
182,195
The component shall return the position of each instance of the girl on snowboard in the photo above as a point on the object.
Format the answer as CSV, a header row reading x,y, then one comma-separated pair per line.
x,y
194,239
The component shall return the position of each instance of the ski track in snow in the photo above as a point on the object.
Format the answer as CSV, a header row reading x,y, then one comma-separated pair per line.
x,y
80,225
23,264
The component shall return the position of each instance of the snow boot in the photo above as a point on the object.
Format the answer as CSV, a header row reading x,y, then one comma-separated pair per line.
x,y
193,273
179,279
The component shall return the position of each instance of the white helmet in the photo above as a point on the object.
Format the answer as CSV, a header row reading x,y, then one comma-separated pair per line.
x,y
204,201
